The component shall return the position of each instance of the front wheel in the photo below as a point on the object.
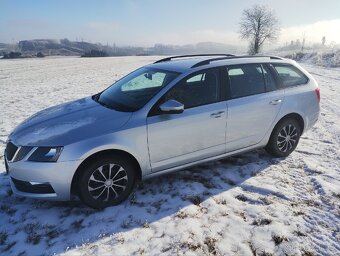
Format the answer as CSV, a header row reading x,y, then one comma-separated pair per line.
x,y
106,181
284,138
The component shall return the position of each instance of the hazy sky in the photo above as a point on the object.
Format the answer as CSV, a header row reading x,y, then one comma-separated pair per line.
x,y
147,22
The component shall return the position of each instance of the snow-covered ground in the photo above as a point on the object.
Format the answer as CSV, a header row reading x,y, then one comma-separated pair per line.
x,y
250,204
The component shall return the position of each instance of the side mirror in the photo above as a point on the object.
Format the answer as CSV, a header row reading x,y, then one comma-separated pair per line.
x,y
172,107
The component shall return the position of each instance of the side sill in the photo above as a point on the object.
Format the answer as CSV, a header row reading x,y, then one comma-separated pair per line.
x,y
181,167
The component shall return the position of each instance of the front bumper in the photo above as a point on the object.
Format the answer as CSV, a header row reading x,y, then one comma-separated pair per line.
x,y
44,180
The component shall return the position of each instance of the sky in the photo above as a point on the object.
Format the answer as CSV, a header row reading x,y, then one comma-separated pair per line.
x,y
147,22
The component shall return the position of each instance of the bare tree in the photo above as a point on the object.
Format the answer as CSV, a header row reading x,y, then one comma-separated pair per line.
x,y
257,25
303,42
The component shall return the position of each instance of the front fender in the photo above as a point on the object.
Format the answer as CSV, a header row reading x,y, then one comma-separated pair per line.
x,y
132,141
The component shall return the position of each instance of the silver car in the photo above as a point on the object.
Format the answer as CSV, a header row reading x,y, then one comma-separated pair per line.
x,y
169,115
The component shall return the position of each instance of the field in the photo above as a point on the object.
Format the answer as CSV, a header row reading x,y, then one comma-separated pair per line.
x,y
249,204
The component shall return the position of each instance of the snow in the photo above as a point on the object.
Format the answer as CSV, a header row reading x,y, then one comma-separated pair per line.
x,y
243,205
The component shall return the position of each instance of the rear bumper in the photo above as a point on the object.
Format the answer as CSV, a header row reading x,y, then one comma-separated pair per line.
x,y
312,119
42,180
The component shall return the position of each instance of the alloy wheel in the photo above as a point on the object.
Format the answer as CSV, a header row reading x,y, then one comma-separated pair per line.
x,y
107,182
287,138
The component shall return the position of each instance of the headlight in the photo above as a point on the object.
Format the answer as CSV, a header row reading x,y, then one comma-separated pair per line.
x,y
46,154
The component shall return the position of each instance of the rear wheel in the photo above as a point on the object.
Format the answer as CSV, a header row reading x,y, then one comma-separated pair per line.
x,y
284,138
106,181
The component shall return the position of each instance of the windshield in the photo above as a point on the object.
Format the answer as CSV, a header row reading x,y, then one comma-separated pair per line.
x,y
136,89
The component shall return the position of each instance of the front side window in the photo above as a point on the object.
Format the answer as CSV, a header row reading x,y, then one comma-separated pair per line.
x,y
290,75
196,90
246,80
136,89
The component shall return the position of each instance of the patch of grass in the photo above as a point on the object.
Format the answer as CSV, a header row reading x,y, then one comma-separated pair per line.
x,y
134,201
146,224
255,251
206,193
181,215
3,237
8,209
294,204
32,236
220,201
195,199
261,222
120,239
204,210
242,198
312,203
207,183
305,252
9,246
141,251
210,243
252,248
299,233
279,239
264,253
158,204
51,232
266,200
190,245
336,195
77,224
224,213
298,213
310,171
243,216
125,224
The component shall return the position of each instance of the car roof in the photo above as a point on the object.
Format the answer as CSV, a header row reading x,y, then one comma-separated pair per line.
x,y
184,63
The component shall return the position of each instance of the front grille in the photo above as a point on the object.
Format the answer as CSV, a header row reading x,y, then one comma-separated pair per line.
x,y
27,187
10,151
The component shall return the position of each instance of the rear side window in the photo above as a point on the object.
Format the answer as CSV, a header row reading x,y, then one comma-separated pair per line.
x,y
246,80
290,75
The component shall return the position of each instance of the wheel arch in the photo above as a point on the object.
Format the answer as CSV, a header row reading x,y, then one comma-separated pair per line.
x,y
107,152
295,116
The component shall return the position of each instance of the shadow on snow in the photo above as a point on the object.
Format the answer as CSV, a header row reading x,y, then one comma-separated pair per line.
x,y
33,225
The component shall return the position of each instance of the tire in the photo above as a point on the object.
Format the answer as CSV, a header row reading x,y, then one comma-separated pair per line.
x,y
106,181
284,138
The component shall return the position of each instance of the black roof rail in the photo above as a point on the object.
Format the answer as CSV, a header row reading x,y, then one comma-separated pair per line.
x,y
206,62
192,55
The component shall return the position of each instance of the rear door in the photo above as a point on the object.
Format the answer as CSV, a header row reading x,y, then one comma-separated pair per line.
x,y
253,104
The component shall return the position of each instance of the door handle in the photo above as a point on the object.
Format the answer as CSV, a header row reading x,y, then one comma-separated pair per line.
x,y
217,114
275,102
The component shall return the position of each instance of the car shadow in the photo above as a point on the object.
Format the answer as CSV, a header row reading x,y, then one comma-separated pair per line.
x,y
32,225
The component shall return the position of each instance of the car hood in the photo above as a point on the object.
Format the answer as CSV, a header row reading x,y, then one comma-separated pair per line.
x,y
68,123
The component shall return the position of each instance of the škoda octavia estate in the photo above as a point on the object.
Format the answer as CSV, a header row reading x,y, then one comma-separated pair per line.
x,y
169,115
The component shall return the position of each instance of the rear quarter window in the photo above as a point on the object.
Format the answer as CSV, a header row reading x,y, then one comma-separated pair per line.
x,y
290,75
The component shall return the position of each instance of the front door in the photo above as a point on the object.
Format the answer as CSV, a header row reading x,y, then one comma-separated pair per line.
x,y
197,133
